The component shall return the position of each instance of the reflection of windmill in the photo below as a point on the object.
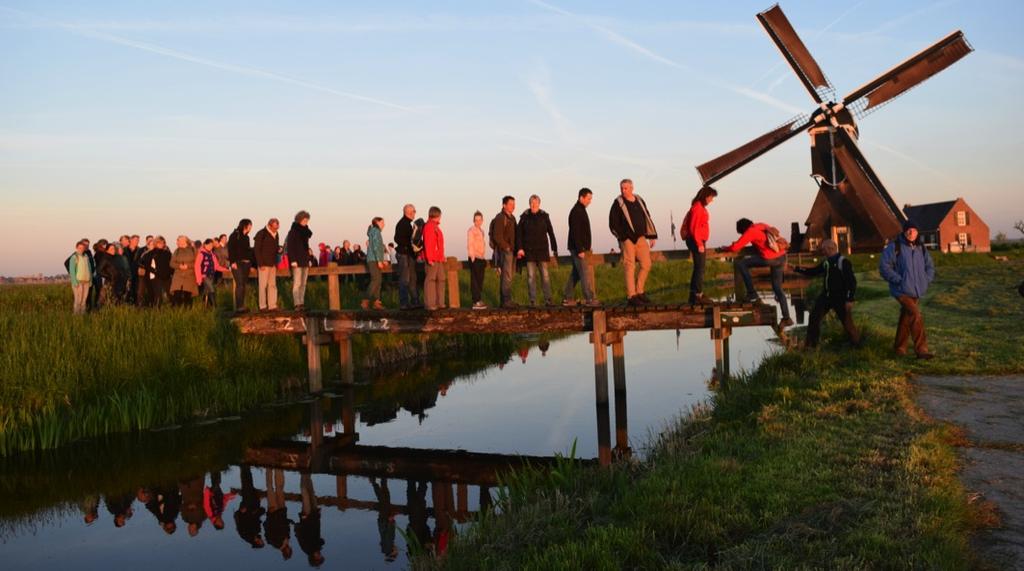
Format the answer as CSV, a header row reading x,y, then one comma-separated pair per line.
x,y
851,198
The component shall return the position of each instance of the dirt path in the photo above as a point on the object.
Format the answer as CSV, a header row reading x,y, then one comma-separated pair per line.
x,y
991,411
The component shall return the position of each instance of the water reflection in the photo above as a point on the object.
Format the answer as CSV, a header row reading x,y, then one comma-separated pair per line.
x,y
335,478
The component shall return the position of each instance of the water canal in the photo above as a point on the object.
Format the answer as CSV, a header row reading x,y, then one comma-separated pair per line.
x,y
155,500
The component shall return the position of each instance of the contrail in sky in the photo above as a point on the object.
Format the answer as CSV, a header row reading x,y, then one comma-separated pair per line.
x,y
183,56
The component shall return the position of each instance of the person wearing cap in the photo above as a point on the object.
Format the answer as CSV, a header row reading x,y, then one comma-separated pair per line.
x,y
907,266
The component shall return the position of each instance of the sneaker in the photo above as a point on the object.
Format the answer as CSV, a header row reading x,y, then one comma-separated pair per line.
x,y
479,305
643,297
365,304
300,307
568,303
592,303
510,305
925,356
549,303
635,301
786,322
378,305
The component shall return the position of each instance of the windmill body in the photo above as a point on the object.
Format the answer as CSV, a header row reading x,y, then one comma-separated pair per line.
x,y
852,206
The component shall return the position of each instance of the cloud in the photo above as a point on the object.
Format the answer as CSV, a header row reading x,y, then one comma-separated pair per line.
x,y
619,39
539,84
183,56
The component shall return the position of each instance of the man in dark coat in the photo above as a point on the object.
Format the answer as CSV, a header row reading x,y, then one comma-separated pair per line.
x,y
838,289
631,224
267,242
240,256
297,244
503,242
579,249
156,265
534,234
408,292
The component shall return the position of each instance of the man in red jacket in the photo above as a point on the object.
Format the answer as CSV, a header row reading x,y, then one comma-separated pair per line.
x,y
433,258
770,252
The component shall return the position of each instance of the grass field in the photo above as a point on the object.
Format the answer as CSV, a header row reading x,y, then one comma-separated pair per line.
x,y
817,459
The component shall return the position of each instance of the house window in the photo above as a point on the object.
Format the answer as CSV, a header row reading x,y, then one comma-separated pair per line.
x,y
963,238
961,218
813,244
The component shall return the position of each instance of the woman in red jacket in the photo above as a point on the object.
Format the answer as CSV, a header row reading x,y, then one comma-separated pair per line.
x,y
696,231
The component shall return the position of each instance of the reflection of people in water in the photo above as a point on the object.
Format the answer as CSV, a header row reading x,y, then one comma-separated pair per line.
x,y
90,505
444,506
307,530
214,501
120,506
277,526
544,346
524,352
385,519
416,499
192,504
165,504
249,512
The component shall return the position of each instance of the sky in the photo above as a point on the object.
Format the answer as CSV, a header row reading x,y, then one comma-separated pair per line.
x,y
182,117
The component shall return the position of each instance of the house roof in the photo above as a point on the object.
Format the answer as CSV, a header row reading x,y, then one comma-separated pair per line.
x,y
929,216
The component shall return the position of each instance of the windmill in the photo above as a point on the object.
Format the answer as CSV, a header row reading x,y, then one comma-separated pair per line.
x,y
851,198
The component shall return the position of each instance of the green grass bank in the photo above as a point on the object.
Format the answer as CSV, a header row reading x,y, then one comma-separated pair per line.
x,y
816,459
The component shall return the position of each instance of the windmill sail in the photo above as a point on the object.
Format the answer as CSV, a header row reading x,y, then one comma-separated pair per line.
x,y
796,53
725,164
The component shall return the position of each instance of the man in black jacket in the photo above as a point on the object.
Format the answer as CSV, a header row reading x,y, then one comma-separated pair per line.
x,y
156,265
297,244
838,289
503,242
240,256
533,234
631,224
266,245
579,249
408,293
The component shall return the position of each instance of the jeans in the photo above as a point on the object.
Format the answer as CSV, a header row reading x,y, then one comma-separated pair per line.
x,y
408,293
911,324
531,275
579,275
697,278
508,269
777,265
373,291
267,287
241,282
81,292
476,279
433,287
209,291
633,254
821,307
300,276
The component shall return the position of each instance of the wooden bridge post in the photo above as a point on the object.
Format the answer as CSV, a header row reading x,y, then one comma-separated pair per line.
x,y
348,412
316,426
619,373
598,338
342,491
345,360
313,354
720,335
333,292
453,266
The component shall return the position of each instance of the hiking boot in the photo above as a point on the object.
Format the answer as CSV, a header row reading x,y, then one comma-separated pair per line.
x,y
568,303
300,307
635,301
592,303
549,303
510,305
900,352
786,322
364,305
925,356
378,305
479,305
643,297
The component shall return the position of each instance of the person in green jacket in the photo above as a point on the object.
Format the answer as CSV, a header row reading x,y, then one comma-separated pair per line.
x,y
80,271
376,261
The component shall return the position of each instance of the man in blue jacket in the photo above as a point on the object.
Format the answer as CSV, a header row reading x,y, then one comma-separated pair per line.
x,y
907,266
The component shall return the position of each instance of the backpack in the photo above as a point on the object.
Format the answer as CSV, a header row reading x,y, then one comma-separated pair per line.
x,y
684,228
417,235
775,241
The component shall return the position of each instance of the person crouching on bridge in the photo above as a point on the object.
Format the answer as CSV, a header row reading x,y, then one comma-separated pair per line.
x,y
771,252
433,258
297,243
696,231
838,288
631,224
376,261
907,266
265,248
579,244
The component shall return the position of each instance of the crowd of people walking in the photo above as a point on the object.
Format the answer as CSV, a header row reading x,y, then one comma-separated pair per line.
x,y
126,271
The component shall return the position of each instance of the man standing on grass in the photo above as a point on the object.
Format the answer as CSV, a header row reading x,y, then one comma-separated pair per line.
x,y
631,224
265,251
907,266
579,244
838,288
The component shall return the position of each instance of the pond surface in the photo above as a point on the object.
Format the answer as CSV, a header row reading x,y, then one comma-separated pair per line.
x,y
351,474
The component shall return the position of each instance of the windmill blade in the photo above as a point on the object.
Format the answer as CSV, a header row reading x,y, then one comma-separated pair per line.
x,y
866,192
908,74
725,164
796,53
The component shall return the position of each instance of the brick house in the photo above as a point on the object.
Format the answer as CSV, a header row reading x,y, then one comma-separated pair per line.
x,y
951,226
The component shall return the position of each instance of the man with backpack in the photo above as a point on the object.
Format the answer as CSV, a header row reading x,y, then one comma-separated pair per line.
x,y
838,288
908,267
770,251
631,224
